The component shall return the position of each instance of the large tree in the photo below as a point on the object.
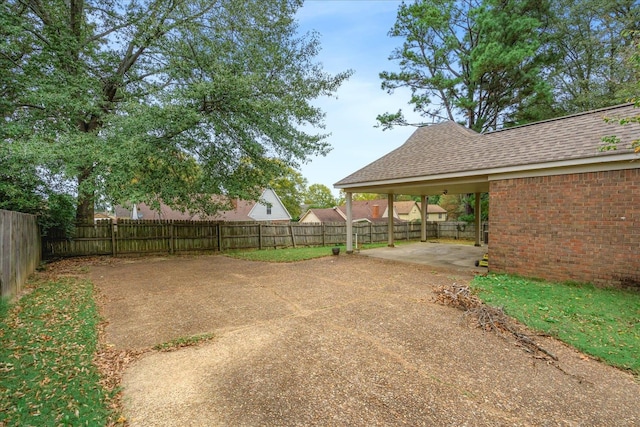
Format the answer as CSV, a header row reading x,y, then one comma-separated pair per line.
x,y
611,142
160,100
24,189
593,41
319,196
476,61
291,188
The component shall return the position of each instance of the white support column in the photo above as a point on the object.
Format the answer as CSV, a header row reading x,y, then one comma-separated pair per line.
x,y
349,223
478,212
390,218
424,202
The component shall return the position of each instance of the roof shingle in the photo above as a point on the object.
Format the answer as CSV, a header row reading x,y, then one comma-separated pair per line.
x,y
449,148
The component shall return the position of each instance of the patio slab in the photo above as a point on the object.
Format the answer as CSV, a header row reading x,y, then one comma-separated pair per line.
x,y
456,257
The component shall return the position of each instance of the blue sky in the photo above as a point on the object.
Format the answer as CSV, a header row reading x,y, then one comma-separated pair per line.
x,y
353,35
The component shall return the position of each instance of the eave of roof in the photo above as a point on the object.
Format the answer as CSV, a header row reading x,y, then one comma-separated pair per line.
x,y
447,156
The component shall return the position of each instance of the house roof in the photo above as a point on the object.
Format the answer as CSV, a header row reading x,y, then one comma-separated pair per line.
x,y
435,209
167,213
360,210
241,212
364,209
404,207
325,215
448,156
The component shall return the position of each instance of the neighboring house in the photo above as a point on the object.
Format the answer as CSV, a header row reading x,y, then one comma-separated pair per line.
x,y
374,211
436,213
268,208
362,210
411,211
561,209
408,210
322,215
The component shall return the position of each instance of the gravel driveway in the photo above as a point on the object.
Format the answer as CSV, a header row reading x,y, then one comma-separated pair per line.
x,y
336,341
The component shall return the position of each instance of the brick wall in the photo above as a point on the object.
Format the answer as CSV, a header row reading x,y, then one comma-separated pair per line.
x,y
581,227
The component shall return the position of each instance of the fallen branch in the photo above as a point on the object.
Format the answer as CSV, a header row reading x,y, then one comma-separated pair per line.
x,y
490,319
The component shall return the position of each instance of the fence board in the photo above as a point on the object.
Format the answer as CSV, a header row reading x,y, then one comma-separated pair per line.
x,y
20,250
163,236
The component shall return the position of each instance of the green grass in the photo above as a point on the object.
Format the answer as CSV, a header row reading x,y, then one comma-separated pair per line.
x,y
603,323
280,255
293,254
47,343
4,307
296,254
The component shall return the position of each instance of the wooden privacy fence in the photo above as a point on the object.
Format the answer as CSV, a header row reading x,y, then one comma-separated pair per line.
x,y
20,250
128,237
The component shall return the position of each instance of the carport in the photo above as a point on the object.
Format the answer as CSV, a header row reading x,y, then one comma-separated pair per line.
x,y
561,208
435,160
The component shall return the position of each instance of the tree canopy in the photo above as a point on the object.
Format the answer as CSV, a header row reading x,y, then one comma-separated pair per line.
x,y
319,196
593,42
611,142
160,100
291,189
492,63
472,59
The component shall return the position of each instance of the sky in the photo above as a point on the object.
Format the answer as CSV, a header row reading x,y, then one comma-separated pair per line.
x,y
354,35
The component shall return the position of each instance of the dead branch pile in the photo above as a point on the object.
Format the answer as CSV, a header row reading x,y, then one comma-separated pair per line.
x,y
490,319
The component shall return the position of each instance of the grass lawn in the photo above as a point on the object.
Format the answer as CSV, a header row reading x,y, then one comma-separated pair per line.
x,y
47,344
296,254
603,323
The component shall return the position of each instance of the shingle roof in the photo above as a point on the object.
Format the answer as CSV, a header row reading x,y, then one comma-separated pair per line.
x,y
166,213
360,210
241,213
363,209
403,207
449,148
327,215
434,208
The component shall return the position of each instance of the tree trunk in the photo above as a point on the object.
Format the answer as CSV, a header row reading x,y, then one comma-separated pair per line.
x,y
85,210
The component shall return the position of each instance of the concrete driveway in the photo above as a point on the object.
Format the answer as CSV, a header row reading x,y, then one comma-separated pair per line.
x,y
336,341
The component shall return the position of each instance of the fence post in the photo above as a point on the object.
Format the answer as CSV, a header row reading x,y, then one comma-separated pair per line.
x,y
172,243
114,226
259,236
219,230
293,238
323,235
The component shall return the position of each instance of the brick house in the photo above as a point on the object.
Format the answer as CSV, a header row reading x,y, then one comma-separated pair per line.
x,y
561,209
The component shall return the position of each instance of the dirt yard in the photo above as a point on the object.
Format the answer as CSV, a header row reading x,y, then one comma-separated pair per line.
x,y
340,341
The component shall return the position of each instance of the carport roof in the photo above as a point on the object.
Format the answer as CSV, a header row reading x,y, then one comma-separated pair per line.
x,y
448,156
